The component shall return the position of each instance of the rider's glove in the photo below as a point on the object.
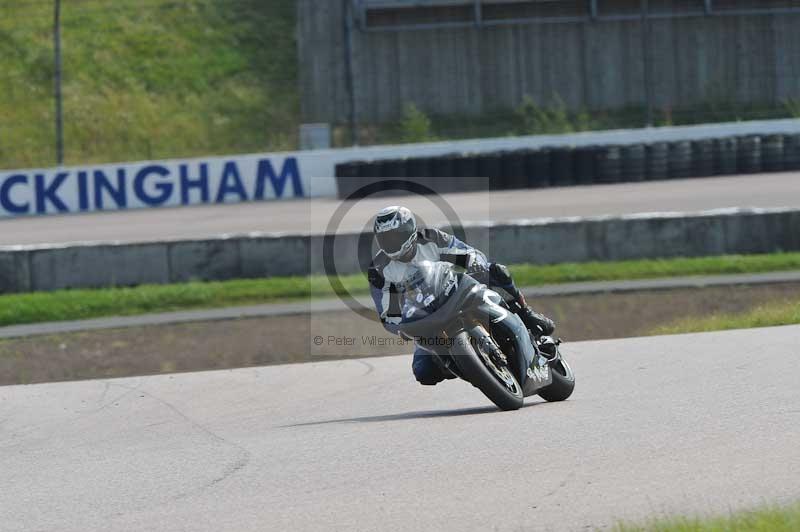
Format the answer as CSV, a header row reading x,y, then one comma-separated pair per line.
x,y
476,264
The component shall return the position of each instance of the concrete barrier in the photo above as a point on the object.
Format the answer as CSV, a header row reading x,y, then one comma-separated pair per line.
x,y
543,241
52,268
204,260
264,256
15,272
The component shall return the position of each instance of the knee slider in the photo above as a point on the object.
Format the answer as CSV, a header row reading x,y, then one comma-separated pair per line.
x,y
427,381
426,376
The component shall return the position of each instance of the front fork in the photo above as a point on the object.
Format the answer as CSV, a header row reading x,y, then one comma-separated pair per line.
x,y
548,346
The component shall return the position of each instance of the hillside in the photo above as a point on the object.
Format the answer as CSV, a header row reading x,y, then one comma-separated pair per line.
x,y
148,79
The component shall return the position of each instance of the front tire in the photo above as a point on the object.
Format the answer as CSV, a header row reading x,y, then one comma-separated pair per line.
x,y
498,384
563,381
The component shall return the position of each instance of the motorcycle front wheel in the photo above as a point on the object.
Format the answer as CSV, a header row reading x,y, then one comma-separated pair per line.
x,y
496,382
563,381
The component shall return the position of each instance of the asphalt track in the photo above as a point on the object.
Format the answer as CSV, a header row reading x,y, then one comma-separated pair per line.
x,y
660,425
763,190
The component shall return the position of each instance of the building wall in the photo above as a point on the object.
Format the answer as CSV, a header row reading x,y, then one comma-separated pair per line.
x,y
589,65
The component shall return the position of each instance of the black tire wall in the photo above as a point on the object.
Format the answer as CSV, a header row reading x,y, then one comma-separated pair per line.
x,y
582,165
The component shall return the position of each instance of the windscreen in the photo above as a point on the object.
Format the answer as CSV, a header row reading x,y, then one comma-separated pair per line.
x,y
428,286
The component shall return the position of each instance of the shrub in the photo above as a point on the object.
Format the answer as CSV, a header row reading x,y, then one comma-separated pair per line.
x,y
415,126
534,120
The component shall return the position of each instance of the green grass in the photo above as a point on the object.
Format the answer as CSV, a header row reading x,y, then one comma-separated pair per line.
x,y
83,304
181,78
156,79
770,519
767,315
531,275
555,119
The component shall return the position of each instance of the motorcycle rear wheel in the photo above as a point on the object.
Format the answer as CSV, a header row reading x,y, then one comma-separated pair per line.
x,y
496,383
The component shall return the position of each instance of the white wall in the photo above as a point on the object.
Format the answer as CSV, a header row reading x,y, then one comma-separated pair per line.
x,y
150,184
258,177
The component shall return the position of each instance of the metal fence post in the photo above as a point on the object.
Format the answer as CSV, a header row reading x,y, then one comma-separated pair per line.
x,y
350,70
57,76
647,62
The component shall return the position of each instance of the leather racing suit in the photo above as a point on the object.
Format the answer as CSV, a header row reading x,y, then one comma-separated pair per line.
x,y
386,276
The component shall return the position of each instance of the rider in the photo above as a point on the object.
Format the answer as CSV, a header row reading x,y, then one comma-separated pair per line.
x,y
401,245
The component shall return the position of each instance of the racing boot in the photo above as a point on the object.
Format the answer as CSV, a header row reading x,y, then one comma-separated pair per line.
x,y
539,324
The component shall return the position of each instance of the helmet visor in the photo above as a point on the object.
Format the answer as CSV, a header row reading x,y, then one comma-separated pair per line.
x,y
392,241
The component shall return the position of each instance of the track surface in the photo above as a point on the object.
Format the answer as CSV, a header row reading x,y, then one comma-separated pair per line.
x,y
698,423
766,190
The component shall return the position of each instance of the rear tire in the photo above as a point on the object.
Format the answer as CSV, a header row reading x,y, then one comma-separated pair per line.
x,y
563,382
474,369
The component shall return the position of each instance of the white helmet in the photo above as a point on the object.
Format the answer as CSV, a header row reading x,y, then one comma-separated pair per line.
x,y
396,231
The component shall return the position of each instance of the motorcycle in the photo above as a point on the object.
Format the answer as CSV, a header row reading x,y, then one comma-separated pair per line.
x,y
473,335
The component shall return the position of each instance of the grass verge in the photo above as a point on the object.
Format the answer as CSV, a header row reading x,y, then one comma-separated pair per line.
x,y
770,519
166,79
533,275
39,307
148,80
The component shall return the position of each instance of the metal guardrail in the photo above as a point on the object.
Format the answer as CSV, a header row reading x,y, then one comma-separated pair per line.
x,y
474,13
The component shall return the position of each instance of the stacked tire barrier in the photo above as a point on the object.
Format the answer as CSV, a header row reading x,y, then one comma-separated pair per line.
x,y
703,158
791,152
633,163
657,161
749,155
725,155
584,165
680,159
609,164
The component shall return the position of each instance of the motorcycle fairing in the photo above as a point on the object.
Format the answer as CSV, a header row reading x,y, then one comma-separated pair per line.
x,y
533,373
